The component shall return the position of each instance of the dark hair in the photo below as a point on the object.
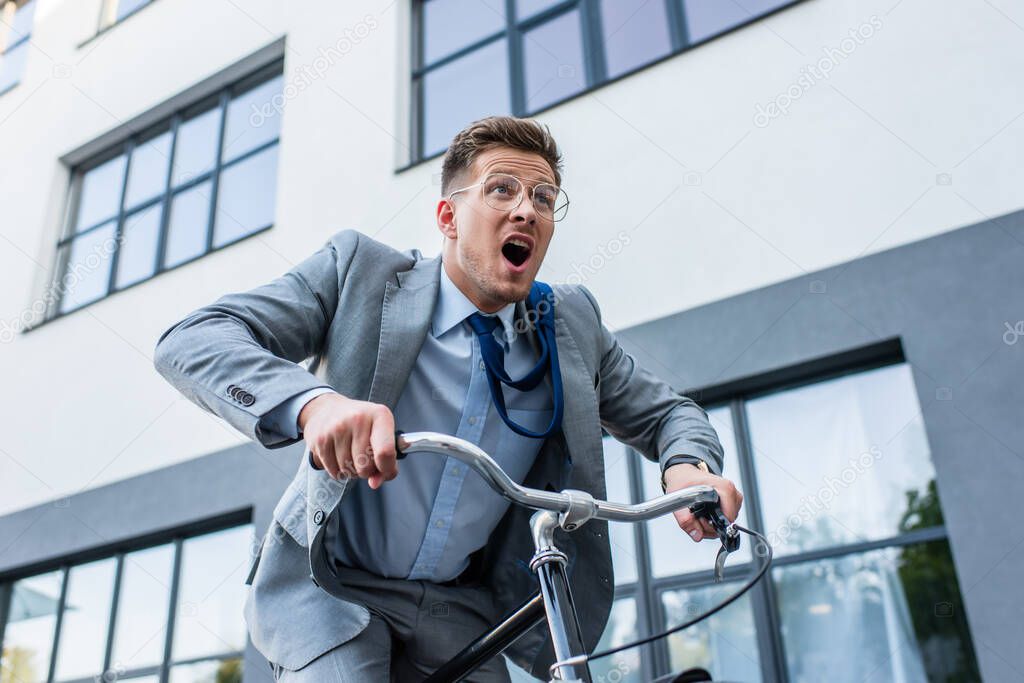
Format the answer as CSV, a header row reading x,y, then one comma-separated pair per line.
x,y
498,131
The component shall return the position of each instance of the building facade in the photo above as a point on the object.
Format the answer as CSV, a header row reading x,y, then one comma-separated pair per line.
x,y
805,215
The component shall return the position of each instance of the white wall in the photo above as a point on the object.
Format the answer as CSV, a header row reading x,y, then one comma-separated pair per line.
x,y
711,203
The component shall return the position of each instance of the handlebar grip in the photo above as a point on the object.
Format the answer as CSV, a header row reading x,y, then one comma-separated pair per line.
x,y
399,453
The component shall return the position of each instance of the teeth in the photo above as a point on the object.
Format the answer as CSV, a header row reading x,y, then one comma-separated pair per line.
x,y
519,243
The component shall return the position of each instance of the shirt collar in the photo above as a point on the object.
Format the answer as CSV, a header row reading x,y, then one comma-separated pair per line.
x,y
453,307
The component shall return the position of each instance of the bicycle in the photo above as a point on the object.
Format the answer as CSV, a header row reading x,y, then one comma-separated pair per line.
x,y
570,509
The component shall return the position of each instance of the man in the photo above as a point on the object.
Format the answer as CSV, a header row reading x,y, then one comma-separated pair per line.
x,y
371,571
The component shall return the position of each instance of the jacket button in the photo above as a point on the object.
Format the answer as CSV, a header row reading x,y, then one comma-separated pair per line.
x,y
248,399
231,390
318,517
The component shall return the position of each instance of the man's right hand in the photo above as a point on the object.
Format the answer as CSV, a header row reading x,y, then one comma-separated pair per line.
x,y
350,438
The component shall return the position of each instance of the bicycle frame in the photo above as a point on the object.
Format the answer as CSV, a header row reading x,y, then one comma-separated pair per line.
x,y
553,603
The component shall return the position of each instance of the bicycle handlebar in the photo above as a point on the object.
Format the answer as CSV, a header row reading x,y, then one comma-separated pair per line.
x,y
574,507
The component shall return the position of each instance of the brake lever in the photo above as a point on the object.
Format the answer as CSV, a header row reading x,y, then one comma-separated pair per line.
x,y
727,533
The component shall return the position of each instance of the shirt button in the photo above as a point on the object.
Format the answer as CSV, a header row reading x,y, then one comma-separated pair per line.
x,y
456,470
472,420
439,523
482,365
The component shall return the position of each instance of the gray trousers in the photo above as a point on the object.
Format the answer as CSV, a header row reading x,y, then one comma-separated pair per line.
x,y
415,626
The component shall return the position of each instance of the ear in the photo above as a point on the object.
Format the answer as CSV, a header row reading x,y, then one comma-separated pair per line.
x,y
446,219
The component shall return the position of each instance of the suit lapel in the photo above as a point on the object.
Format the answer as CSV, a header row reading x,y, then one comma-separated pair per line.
x,y
405,319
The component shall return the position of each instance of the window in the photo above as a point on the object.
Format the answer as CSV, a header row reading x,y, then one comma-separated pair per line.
x,y
474,58
198,181
114,11
16,23
108,619
838,475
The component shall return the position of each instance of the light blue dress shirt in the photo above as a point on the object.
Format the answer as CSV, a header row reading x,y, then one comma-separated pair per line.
x,y
425,523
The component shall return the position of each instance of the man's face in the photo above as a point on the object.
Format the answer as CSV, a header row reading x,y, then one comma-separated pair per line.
x,y
478,256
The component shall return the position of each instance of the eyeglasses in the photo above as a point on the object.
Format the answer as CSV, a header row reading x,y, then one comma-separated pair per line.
x,y
504,192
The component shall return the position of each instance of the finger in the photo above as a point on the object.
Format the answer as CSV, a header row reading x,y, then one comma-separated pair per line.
x,y
382,440
690,524
343,452
362,453
324,455
707,529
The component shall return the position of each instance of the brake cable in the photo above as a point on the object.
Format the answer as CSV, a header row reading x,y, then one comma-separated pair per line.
x,y
580,659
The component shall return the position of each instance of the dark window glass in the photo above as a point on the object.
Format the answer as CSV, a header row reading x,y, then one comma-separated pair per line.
x,y
634,34
136,260
246,198
87,273
147,170
253,119
706,18
553,61
100,194
195,151
186,233
450,25
464,90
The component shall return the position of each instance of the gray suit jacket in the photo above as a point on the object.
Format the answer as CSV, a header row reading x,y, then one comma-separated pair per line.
x,y
361,310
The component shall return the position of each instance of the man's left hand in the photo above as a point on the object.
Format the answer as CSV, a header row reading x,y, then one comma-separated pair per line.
x,y
684,474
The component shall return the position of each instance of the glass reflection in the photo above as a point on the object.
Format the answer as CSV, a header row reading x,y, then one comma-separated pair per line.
x,y
449,25
142,608
87,273
633,35
253,118
100,193
706,18
32,618
147,172
893,614
246,198
186,228
837,460
622,627
137,259
195,149
553,61
211,594
467,89
83,630
725,643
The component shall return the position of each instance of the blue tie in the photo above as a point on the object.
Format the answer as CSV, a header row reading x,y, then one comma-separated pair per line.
x,y
494,361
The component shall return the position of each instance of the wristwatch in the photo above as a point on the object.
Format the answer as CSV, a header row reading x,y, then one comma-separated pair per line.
x,y
700,464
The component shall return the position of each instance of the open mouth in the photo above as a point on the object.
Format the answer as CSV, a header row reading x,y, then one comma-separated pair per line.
x,y
517,250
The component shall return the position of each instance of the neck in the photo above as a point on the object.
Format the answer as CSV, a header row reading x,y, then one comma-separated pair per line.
x,y
459,279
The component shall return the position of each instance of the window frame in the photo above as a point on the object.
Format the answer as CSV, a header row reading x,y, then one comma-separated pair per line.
x,y
647,591
64,565
594,57
218,100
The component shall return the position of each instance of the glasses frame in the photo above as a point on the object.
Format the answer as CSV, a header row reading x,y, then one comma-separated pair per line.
x,y
522,186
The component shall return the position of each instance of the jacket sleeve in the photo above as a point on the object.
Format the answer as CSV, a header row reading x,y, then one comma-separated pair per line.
x,y
238,357
646,413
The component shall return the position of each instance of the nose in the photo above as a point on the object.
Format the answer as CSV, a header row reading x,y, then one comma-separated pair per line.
x,y
524,213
